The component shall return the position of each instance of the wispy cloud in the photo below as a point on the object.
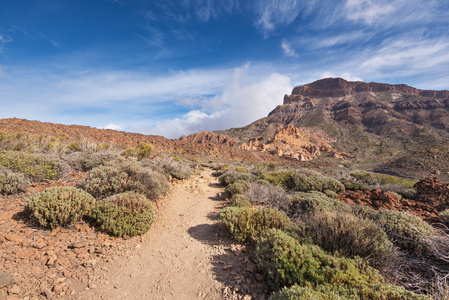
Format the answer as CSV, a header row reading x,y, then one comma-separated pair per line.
x,y
288,49
272,14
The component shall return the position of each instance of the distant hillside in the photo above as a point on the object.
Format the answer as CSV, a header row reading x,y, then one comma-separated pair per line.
x,y
123,139
376,124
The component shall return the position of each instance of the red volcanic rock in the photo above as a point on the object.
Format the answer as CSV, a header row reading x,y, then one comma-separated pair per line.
x,y
433,192
206,137
291,142
432,198
337,87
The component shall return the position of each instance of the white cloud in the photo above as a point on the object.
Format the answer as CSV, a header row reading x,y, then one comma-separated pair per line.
x,y
112,126
238,105
345,75
288,50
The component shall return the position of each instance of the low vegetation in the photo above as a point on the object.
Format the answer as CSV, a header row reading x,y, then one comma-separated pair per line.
x,y
125,214
60,206
12,182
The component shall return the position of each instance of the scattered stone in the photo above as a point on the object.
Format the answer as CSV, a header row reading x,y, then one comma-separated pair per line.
x,y
6,280
48,293
76,245
15,290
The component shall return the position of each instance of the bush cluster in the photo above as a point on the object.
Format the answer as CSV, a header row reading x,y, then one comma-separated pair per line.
x,y
12,182
406,231
246,224
240,201
287,262
105,181
34,166
125,214
303,181
332,292
237,188
60,206
313,203
232,176
350,236
140,152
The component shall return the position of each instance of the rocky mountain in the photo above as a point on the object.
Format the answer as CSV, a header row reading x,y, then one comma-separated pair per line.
x,y
379,125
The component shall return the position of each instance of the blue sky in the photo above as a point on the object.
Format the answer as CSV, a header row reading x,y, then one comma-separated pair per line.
x,y
176,67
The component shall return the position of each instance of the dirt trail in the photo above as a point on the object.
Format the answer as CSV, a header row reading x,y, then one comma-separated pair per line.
x,y
179,258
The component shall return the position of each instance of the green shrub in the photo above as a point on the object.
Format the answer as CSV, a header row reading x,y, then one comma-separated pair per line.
x,y
444,216
406,231
246,224
140,152
238,187
60,206
393,180
330,194
313,203
125,214
328,292
363,176
280,178
350,236
309,182
12,183
37,167
303,181
76,147
105,181
241,169
232,176
287,263
354,185
218,173
240,201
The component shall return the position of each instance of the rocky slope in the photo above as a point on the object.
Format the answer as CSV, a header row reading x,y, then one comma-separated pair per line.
x,y
377,124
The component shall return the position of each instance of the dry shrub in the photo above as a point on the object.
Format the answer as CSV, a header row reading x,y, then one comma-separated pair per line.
x,y
12,182
105,181
174,168
261,193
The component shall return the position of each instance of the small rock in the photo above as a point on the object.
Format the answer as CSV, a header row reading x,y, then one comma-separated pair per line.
x,y
12,237
6,279
76,245
40,245
228,267
48,293
15,290
91,285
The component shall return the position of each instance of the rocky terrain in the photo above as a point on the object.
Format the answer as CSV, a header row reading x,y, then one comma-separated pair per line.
x,y
381,126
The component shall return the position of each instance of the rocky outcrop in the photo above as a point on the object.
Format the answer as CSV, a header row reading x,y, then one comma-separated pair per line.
x,y
433,192
290,142
338,87
206,137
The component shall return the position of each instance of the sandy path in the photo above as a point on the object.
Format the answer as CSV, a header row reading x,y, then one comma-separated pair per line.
x,y
175,259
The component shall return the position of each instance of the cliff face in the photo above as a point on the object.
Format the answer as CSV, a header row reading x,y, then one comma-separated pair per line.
x,y
338,87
